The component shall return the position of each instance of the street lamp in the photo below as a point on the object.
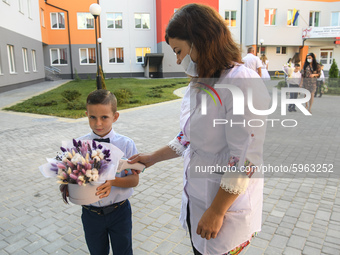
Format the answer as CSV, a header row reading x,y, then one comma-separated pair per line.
x,y
100,40
95,10
261,42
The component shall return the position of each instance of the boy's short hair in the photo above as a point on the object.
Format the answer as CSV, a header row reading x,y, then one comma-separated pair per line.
x,y
102,96
298,65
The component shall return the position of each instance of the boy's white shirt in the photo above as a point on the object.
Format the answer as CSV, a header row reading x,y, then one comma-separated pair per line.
x,y
126,145
295,78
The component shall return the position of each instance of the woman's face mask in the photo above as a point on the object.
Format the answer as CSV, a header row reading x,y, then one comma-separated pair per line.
x,y
189,66
309,60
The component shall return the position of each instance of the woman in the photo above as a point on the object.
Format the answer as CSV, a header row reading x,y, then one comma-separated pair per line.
x,y
264,69
222,209
310,72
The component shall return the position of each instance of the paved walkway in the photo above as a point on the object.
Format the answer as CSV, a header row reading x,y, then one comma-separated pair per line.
x,y
301,215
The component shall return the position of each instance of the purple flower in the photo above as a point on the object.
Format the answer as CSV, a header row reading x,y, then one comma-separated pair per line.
x,y
75,144
63,149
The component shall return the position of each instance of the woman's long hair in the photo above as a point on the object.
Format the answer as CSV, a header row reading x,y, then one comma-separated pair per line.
x,y
204,27
314,63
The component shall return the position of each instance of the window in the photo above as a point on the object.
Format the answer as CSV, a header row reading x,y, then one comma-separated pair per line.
x,y
11,62
34,61
85,20
114,20
292,18
25,59
42,17
58,57
314,19
57,20
281,50
140,53
230,18
335,19
270,17
142,20
116,55
21,6
87,56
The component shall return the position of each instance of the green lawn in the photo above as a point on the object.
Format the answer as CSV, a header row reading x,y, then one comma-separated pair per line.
x,y
139,92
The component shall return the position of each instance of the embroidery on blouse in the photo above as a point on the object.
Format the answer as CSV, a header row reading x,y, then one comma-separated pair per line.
x,y
249,167
181,140
239,248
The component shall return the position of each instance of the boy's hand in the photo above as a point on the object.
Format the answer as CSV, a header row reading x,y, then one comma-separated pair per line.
x,y
104,189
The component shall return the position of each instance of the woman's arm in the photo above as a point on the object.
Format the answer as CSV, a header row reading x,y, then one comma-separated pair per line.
x,y
212,219
149,159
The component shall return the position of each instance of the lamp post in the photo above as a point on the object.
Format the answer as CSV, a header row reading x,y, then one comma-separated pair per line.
x,y
95,10
100,40
261,42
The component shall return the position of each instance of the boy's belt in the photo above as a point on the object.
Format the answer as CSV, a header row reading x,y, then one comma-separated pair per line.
x,y
105,209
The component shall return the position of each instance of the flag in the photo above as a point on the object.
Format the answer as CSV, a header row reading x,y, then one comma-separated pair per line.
x,y
295,16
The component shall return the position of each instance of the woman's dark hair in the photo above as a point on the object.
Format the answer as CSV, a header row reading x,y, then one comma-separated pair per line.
x,y
102,96
204,27
314,63
296,58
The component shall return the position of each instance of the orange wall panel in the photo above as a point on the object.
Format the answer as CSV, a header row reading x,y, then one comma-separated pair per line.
x,y
60,36
165,9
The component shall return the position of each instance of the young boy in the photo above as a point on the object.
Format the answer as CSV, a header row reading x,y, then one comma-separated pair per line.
x,y
294,82
110,217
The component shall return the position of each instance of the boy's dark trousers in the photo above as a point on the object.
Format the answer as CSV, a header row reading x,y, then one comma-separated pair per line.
x,y
117,225
293,95
318,88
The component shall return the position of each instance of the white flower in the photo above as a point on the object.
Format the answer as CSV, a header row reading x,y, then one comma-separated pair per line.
x,y
88,173
77,158
81,178
94,171
95,177
96,158
94,153
101,155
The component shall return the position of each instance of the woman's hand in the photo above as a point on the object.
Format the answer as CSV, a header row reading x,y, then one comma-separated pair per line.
x,y
144,158
210,224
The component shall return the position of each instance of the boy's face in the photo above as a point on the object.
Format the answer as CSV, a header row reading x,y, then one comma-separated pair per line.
x,y
297,68
101,118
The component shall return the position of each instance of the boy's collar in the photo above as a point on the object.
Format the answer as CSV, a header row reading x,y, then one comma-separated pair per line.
x,y
110,135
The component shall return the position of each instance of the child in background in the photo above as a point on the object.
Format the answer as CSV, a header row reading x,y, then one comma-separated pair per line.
x,y
109,219
294,82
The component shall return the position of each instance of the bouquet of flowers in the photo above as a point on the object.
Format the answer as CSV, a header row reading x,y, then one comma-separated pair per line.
x,y
324,88
81,163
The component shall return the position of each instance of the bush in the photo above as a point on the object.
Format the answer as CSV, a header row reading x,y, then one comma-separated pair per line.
x,y
334,70
123,96
45,103
76,76
76,106
70,95
281,84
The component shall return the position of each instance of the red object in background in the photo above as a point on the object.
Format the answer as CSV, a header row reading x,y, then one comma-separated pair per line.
x,y
337,40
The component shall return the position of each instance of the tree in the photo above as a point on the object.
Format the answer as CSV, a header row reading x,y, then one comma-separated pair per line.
x,y
334,70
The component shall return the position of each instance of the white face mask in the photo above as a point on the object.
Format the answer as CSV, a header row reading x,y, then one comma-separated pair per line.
x,y
189,66
309,60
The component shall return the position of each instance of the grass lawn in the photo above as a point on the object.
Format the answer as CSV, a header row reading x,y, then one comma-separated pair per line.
x,y
134,92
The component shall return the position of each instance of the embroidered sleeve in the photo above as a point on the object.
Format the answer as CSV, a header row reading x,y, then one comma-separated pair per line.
x,y
179,144
235,181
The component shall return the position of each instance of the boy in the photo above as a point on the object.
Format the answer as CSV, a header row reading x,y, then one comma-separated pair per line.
x,y
110,217
294,82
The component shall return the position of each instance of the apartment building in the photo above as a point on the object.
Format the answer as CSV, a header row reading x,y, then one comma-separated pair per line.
x,y
61,35
21,55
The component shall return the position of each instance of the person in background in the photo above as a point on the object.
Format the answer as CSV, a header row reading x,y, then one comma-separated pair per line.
x,y
264,69
294,82
310,72
320,82
253,62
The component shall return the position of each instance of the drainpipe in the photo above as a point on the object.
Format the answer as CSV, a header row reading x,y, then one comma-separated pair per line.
x,y
241,24
257,27
69,35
